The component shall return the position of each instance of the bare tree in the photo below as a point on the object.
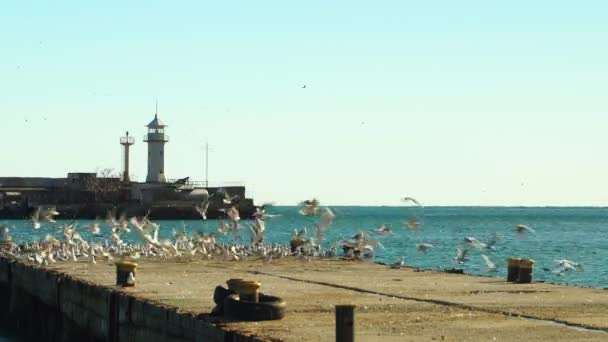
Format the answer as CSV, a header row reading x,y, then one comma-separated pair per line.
x,y
105,185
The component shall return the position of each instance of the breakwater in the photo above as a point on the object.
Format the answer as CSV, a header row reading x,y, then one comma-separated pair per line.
x,y
172,297
53,306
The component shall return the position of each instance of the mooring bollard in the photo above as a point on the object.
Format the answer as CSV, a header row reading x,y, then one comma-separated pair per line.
x,y
525,271
125,273
513,269
248,290
345,323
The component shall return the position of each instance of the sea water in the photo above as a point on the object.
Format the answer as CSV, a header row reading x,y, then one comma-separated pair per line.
x,y
577,234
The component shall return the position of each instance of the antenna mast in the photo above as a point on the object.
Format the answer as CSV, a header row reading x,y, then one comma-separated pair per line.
x,y
207,164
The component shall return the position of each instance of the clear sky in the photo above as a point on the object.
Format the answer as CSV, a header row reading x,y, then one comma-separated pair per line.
x,y
450,102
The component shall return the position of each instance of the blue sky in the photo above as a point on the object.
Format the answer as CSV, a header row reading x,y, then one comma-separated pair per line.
x,y
454,103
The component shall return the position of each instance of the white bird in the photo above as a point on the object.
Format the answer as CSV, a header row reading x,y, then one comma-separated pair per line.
x,y
94,229
424,247
4,234
257,231
227,198
399,264
564,266
383,229
36,218
202,208
50,215
223,227
301,234
489,263
411,199
309,207
412,223
461,255
131,279
260,212
47,216
520,228
327,217
474,243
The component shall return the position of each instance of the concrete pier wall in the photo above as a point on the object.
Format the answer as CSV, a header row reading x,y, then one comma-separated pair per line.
x,y
51,306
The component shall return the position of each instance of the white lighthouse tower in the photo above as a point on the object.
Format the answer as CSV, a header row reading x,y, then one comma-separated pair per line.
x,y
156,139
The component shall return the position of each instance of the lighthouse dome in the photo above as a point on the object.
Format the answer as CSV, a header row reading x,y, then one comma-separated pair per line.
x,y
156,123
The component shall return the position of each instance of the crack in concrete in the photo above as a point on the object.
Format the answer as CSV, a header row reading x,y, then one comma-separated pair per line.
x,y
566,324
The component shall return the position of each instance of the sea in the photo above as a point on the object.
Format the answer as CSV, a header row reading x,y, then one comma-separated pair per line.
x,y
579,234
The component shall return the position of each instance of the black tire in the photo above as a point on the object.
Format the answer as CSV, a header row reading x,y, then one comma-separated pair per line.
x,y
220,294
268,308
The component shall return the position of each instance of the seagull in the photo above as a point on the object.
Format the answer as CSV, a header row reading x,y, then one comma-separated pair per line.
x,y
232,213
383,229
412,223
257,232
94,229
223,227
520,228
148,232
411,199
461,255
120,224
474,243
399,264
131,279
50,215
489,263
327,217
202,208
227,198
564,266
309,207
424,247
47,216
260,212
4,234
36,218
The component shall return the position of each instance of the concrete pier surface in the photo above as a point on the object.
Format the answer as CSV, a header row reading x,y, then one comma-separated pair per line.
x,y
391,304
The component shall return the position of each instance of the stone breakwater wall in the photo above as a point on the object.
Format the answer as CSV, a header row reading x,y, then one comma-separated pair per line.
x,y
52,306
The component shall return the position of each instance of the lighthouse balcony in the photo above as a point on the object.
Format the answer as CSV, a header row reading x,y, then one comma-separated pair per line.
x,y
156,137
127,140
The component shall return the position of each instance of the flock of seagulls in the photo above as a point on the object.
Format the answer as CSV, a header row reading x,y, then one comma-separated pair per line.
x,y
67,244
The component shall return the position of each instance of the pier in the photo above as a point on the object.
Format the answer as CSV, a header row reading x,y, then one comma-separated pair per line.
x,y
172,301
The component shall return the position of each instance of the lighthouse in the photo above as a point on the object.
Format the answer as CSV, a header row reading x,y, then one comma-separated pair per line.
x,y
156,139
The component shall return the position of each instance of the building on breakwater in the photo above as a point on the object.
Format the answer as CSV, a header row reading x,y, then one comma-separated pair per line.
x,y
92,195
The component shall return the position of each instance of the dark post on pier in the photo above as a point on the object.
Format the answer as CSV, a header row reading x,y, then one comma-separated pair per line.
x,y
345,323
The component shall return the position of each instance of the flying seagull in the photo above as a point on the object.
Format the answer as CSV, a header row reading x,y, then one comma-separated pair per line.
x,y
411,199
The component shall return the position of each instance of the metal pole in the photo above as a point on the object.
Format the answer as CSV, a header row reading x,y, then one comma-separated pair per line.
x,y
207,165
126,176
345,323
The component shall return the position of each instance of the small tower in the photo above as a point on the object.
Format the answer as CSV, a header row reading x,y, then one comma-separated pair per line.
x,y
126,142
156,139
